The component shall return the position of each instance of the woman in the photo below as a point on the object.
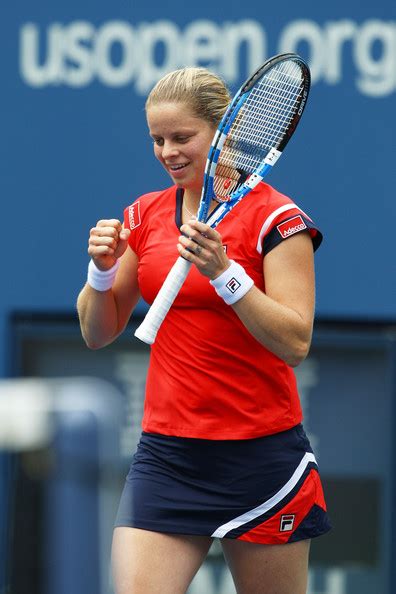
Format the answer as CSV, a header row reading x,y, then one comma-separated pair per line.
x,y
223,453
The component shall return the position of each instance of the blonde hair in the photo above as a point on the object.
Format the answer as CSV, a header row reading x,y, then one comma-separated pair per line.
x,y
204,91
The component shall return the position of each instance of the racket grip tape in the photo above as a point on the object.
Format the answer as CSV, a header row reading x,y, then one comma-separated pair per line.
x,y
147,331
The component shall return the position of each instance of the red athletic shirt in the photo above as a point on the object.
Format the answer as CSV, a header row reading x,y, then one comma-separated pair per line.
x,y
208,376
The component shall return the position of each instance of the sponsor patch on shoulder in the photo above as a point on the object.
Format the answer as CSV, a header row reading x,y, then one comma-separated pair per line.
x,y
291,226
134,215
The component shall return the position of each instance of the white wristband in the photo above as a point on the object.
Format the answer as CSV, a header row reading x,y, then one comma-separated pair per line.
x,y
101,280
233,283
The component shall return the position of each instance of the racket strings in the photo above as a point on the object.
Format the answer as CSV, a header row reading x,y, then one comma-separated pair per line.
x,y
226,180
275,99
264,119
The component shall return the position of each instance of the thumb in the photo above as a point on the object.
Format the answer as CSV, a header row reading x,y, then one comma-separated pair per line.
x,y
122,242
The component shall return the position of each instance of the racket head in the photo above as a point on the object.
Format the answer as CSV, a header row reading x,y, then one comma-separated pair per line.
x,y
256,128
289,66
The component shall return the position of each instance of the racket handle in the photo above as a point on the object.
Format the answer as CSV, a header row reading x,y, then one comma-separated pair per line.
x,y
147,331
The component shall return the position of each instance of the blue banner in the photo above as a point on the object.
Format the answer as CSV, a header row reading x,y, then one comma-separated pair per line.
x,y
75,148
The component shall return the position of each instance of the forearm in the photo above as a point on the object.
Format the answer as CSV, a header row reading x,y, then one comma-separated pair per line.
x,y
107,300
281,319
98,315
279,328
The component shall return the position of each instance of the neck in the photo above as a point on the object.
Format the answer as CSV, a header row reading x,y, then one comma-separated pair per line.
x,y
191,203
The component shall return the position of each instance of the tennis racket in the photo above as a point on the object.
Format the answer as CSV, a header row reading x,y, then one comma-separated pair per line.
x,y
249,140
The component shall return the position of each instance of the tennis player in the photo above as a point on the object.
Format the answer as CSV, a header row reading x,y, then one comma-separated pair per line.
x,y
223,452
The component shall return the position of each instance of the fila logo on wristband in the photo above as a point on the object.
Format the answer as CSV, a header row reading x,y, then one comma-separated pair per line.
x,y
233,285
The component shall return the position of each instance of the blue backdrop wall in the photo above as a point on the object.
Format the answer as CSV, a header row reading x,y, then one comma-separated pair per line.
x,y
74,145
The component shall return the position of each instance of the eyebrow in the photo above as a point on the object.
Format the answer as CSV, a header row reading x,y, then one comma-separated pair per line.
x,y
179,131
185,132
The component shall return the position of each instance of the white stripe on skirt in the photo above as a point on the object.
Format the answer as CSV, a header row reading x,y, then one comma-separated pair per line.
x,y
267,505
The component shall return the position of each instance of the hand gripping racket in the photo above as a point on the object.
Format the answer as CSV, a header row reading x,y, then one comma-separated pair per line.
x,y
248,142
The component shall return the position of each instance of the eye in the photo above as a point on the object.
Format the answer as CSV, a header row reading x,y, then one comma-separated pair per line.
x,y
158,141
182,139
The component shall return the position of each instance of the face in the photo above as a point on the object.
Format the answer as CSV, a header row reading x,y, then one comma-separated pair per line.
x,y
181,142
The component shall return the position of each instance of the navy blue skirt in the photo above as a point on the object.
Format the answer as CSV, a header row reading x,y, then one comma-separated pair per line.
x,y
265,490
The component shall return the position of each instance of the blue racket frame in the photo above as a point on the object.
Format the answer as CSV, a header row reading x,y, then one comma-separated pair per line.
x,y
226,122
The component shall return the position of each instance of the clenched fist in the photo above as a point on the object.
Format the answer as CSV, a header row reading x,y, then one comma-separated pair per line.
x,y
107,242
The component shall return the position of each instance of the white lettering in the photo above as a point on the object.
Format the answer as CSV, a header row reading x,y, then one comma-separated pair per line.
x,y
77,43
119,54
111,35
203,42
292,230
234,37
337,34
38,74
377,75
309,33
164,34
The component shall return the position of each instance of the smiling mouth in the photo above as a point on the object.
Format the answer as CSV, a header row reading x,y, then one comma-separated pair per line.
x,y
177,167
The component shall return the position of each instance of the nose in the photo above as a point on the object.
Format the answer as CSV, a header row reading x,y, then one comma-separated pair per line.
x,y
169,150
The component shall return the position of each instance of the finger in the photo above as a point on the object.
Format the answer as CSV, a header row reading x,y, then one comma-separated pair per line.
x,y
186,253
122,243
99,251
96,240
191,246
115,223
105,232
193,234
201,227
202,247
196,229
125,233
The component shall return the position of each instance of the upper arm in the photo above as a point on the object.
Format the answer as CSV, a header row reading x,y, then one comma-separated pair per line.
x,y
126,287
290,276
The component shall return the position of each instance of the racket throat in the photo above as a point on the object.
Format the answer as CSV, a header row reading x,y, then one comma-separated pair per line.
x,y
254,179
269,161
